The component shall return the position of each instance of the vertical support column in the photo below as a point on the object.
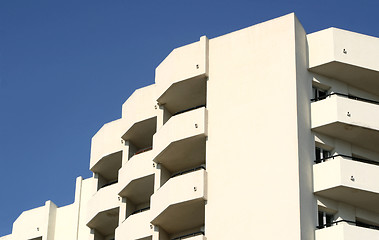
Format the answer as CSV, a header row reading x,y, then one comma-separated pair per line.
x,y
161,176
122,213
204,44
125,152
78,195
157,177
163,115
51,209
159,234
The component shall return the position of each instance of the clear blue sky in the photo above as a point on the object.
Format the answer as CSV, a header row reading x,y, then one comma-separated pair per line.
x,y
67,66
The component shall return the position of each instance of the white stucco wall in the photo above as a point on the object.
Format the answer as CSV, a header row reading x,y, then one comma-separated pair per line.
x,y
253,143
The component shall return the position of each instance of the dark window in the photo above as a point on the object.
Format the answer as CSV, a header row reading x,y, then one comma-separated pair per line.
x,y
325,219
321,154
318,94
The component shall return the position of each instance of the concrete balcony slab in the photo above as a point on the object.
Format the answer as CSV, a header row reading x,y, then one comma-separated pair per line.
x,y
349,181
180,203
348,119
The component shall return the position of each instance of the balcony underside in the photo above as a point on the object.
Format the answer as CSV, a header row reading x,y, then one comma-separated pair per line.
x,y
363,78
183,154
139,190
105,222
184,94
356,197
182,216
141,133
108,166
360,136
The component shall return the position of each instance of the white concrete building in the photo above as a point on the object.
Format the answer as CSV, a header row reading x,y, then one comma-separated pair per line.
x,y
263,133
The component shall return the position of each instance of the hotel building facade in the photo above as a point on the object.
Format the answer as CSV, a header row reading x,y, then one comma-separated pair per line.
x,y
264,133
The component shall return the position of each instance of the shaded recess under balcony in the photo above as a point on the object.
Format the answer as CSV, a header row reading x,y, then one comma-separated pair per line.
x,y
348,179
179,205
181,143
183,95
137,194
107,169
181,217
140,136
105,223
349,118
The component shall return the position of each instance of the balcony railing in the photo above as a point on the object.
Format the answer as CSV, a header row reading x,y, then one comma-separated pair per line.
x,y
188,109
188,171
108,184
346,96
143,150
189,235
348,157
141,210
358,224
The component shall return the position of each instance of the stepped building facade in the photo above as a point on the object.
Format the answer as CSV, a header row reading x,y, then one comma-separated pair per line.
x,y
264,133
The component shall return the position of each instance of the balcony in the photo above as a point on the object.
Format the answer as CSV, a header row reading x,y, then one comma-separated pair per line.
x,y
138,167
346,231
180,143
106,150
350,180
179,205
104,210
346,56
140,114
140,136
181,77
348,118
137,182
137,226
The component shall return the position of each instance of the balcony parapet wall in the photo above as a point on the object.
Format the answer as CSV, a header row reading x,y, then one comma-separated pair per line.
x,y
346,232
106,141
347,56
349,181
348,119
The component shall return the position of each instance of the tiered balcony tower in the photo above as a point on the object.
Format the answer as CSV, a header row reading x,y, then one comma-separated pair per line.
x,y
264,133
